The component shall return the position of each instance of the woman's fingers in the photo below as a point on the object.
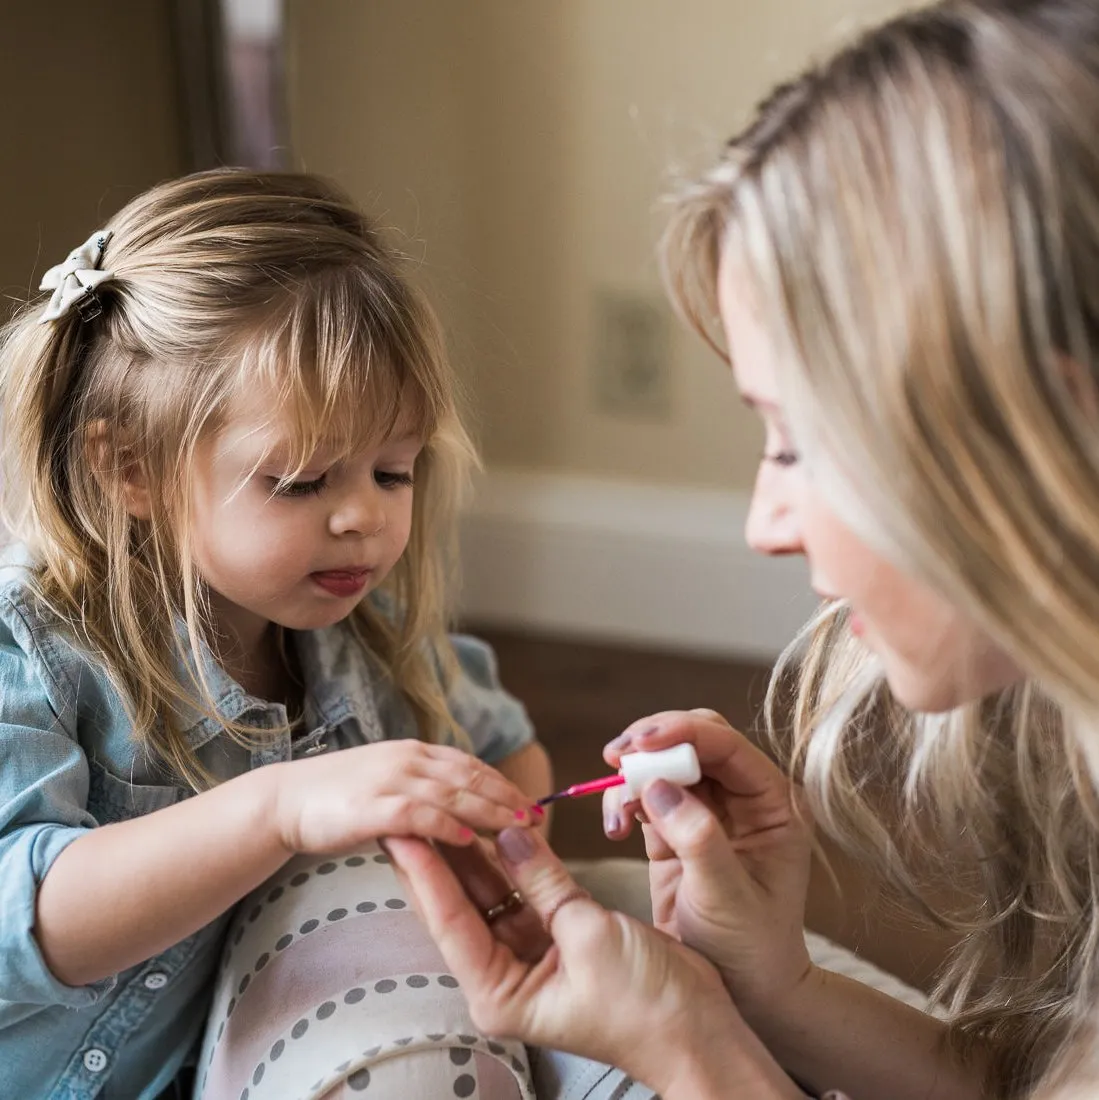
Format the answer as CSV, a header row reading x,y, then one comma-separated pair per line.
x,y
741,770
687,828
617,821
454,922
542,879
513,921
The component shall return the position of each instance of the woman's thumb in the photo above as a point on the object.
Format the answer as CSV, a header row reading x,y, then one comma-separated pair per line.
x,y
692,832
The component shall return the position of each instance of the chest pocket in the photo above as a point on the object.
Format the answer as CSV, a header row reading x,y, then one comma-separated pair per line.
x,y
113,799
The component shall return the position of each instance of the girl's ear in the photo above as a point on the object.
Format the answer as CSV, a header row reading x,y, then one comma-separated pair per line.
x,y
117,469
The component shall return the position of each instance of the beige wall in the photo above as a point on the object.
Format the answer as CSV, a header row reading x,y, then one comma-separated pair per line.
x,y
90,120
522,146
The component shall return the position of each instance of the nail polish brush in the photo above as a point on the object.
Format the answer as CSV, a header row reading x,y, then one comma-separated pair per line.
x,y
678,765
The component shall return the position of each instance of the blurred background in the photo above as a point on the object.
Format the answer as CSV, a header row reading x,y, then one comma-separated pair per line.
x,y
518,152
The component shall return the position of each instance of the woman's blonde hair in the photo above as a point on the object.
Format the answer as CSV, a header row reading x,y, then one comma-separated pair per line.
x,y
223,282
916,222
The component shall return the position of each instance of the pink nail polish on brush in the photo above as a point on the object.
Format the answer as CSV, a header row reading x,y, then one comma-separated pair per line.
x,y
677,765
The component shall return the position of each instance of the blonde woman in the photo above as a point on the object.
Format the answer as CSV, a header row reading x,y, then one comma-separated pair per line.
x,y
231,454
903,249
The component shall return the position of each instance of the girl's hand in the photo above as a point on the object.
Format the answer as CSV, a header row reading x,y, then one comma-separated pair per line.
x,y
608,988
729,860
338,801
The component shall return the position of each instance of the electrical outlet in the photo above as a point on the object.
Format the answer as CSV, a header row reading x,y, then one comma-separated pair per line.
x,y
631,365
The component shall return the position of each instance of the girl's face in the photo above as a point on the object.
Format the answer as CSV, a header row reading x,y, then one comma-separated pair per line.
x,y
935,659
303,556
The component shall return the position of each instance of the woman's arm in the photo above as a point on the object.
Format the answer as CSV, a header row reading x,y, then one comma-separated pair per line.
x,y
836,1033
729,872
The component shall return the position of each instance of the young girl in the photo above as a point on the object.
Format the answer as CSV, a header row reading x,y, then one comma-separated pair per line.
x,y
903,250
231,459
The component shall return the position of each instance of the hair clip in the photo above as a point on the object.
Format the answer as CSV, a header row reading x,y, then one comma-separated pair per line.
x,y
75,281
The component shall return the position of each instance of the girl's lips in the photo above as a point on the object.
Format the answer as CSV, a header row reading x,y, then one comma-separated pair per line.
x,y
342,582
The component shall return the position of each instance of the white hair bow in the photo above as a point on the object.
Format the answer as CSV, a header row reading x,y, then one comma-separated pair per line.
x,y
73,283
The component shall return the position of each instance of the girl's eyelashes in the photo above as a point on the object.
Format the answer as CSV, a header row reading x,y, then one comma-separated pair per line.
x,y
384,479
781,458
392,479
280,488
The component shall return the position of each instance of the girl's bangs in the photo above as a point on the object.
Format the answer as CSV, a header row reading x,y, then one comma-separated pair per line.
x,y
346,369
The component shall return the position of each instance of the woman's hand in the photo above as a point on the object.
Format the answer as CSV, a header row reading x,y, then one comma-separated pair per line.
x,y
338,801
730,859
608,988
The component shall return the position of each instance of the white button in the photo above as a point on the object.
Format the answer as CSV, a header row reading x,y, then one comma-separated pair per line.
x,y
320,746
156,980
95,1061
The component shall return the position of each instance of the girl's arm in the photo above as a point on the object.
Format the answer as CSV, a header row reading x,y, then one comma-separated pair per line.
x,y
121,893
124,892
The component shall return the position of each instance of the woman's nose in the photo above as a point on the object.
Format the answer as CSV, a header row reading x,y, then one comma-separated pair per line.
x,y
773,525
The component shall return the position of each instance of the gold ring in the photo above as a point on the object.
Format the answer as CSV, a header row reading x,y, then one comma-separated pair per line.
x,y
513,901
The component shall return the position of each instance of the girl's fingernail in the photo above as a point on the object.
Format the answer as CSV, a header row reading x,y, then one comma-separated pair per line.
x,y
647,732
515,845
538,811
612,823
520,815
465,833
621,742
662,797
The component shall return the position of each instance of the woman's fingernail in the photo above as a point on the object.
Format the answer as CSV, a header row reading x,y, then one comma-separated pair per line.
x,y
538,811
516,845
520,815
647,732
621,742
662,797
612,824
465,833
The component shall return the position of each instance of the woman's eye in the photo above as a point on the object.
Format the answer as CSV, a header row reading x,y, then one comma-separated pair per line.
x,y
782,458
391,479
298,488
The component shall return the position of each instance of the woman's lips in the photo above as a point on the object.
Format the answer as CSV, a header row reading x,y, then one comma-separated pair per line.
x,y
342,582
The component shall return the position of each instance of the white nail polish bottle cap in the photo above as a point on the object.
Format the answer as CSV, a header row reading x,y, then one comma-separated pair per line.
x,y
677,765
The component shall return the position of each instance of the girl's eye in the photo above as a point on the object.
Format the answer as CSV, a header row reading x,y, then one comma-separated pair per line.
x,y
298,488
391,479
782,458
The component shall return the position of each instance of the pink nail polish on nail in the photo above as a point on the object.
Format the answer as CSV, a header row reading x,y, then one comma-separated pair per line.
x,y
520,815
465,834
538,811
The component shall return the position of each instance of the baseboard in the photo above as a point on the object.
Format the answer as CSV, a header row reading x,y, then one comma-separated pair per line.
x,y
652,565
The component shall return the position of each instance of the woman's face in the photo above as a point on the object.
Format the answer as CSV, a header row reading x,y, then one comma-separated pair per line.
x,y
935,659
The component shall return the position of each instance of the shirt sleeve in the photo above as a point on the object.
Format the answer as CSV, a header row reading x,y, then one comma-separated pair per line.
x,y
43,808
497,723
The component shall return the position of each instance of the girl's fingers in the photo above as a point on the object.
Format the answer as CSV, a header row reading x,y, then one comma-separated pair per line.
x,y
404,816
469,775
473,808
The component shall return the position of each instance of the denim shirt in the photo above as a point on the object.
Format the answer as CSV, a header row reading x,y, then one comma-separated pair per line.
x,y
68,764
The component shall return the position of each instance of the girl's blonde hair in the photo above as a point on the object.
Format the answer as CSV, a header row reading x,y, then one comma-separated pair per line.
x,y
917,223
223,282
